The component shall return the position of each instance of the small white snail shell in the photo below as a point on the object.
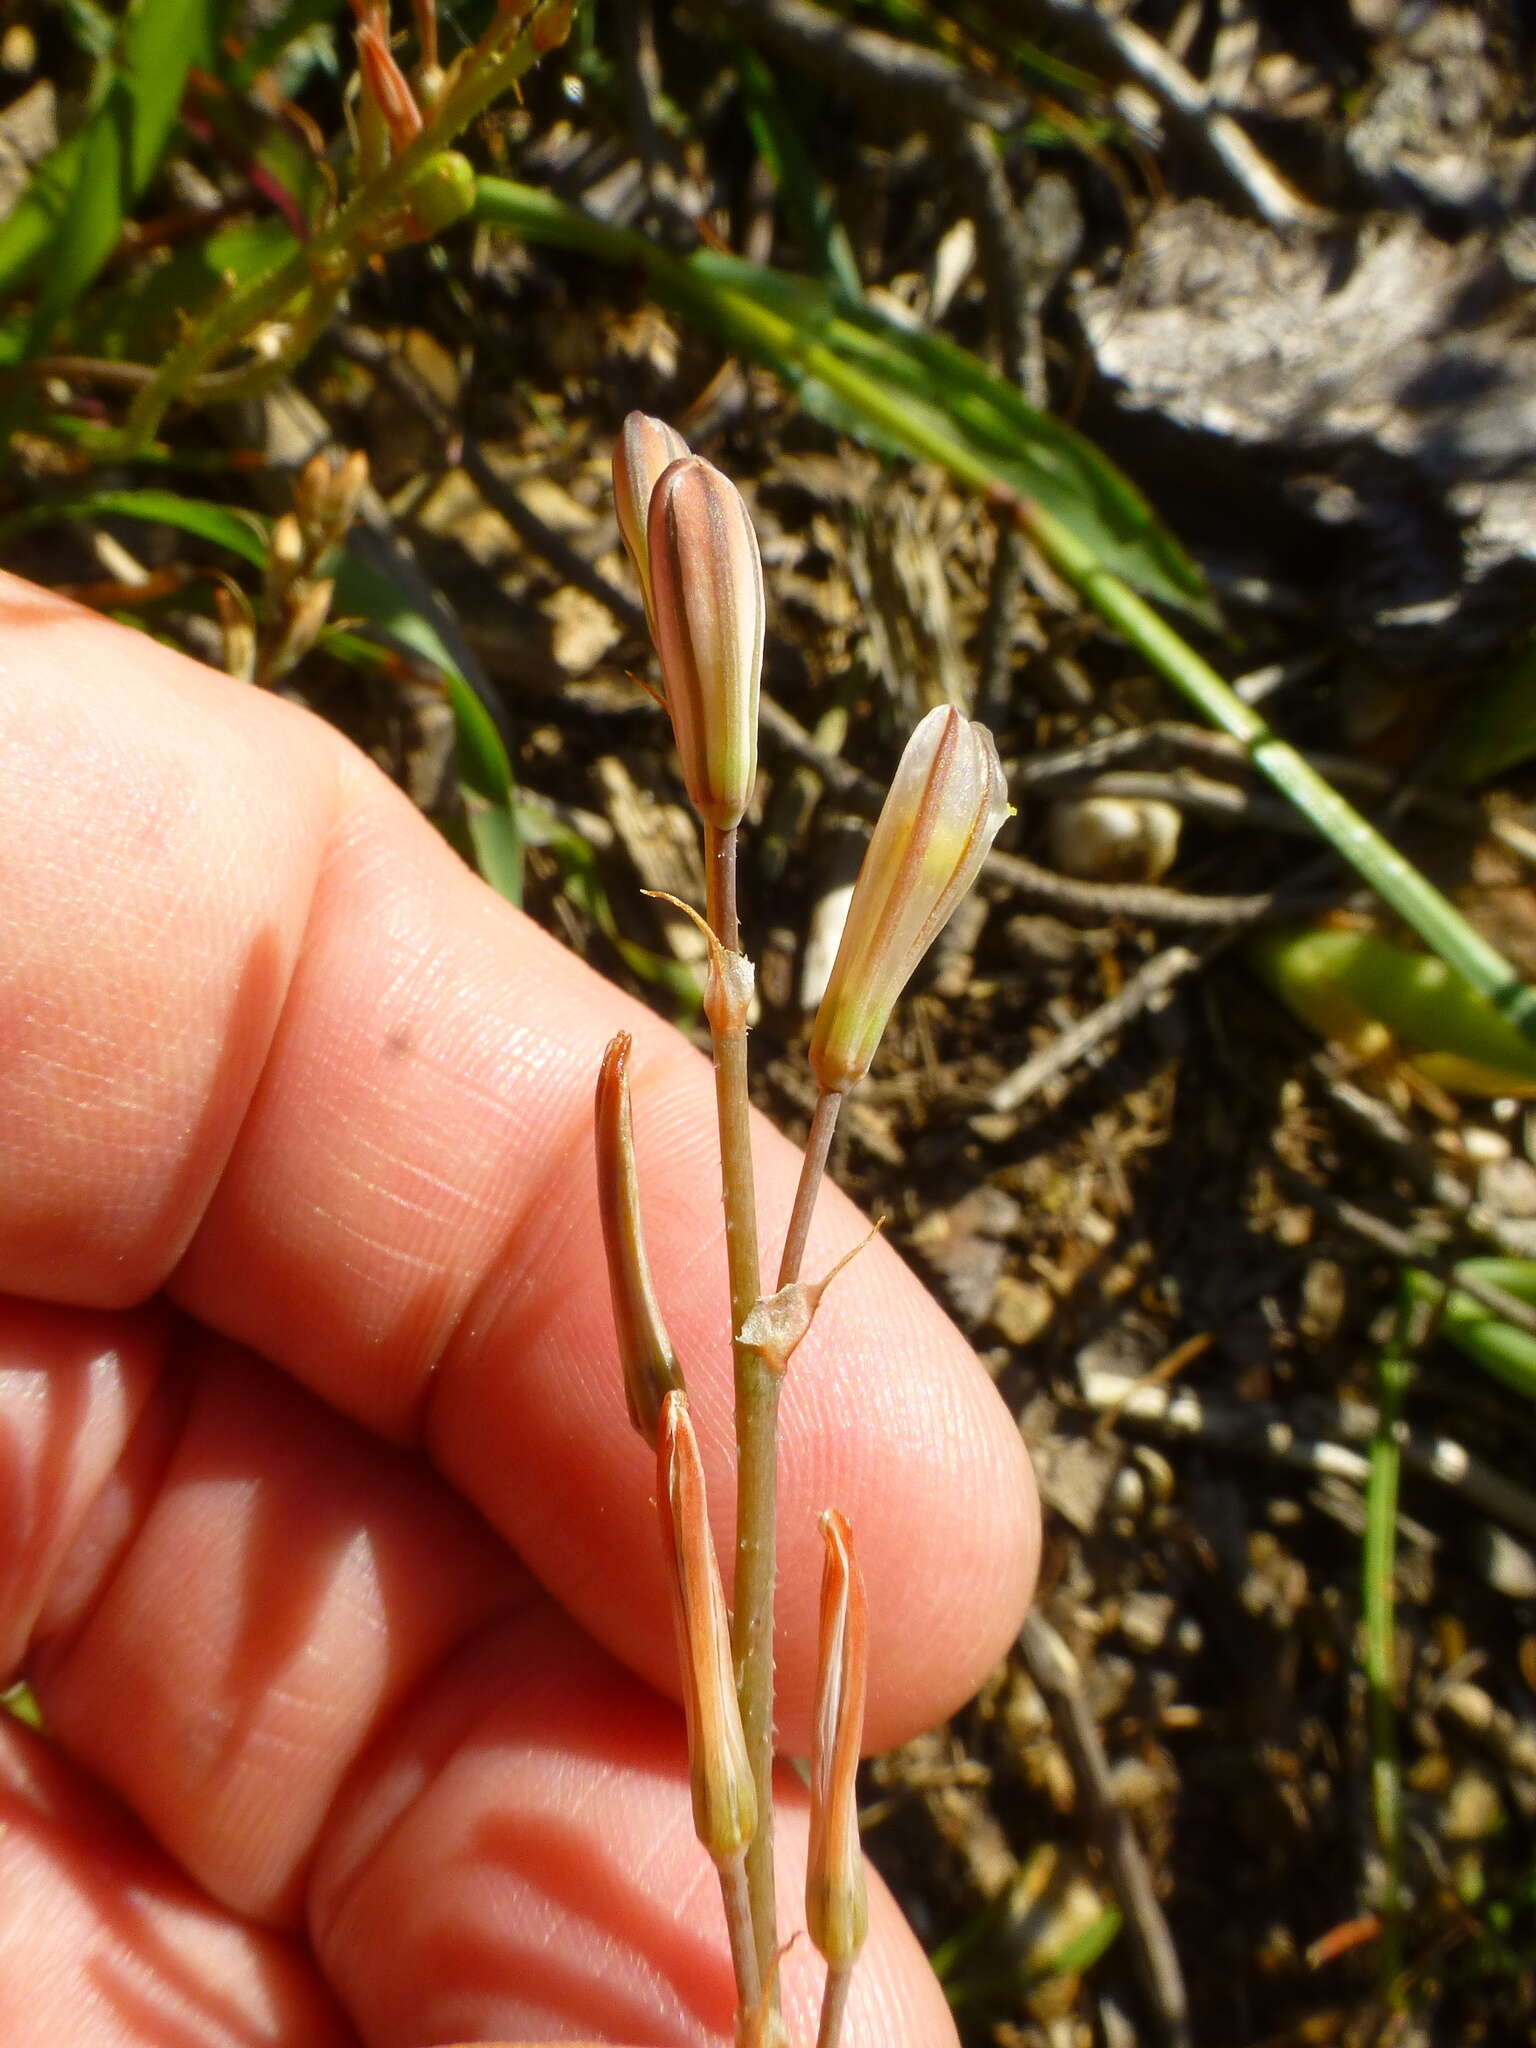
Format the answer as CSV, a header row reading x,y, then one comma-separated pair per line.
x,y
1113,838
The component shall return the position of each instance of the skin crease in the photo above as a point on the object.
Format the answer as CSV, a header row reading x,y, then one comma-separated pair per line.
x,y
329,1553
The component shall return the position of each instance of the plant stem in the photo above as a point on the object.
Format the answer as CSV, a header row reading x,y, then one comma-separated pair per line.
x,y
834,2000
812,1167
720,850
333,256
757,1414
719,296
738,1919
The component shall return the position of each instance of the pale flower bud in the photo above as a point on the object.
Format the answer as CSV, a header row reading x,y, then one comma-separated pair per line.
x,y
650,1364
645,448
720,1775
707,616
836,1907
940,816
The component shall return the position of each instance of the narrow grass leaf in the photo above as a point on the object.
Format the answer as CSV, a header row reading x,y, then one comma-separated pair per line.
x,y
365,593
898,390
1478,1334
243,533
72,212
807,203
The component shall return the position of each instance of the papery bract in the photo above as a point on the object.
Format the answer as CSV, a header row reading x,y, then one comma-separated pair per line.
x,y
939,818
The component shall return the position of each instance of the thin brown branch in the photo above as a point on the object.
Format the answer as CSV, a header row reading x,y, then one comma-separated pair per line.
x,y
1059,1677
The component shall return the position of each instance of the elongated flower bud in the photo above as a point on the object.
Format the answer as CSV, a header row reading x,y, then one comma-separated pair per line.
x,y
387,84
650,1364
836,1907
720,1776
707,616
940,816
645,448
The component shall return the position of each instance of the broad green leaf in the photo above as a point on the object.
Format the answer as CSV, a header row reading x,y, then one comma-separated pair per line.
x,y
137,318
1364,992
241,532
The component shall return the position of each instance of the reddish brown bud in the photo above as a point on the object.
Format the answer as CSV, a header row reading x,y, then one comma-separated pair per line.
x,y
650,1364
724,1795
708,616
836,1907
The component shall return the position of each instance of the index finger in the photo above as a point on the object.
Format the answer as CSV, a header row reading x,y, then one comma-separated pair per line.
x,y
266,1043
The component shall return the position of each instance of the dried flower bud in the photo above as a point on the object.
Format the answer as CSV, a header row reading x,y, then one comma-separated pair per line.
x,y
940,816
707,615
325,498
836,1907
644,449
724,1796
650,1364
285,557
308,607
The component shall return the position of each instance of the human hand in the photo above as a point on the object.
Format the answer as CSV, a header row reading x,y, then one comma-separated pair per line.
x,y
329,1550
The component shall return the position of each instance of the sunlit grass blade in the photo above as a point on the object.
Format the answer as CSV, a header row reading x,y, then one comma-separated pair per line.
x,y
1378,1571
891,386
1477,1332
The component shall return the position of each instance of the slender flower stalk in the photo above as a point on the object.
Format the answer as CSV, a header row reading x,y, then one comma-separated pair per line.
x,y
651,1370
708,617
644,449
836,1904
719,1770
939,818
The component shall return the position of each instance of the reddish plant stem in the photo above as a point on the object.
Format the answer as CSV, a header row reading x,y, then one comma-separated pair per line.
x,y
817,1145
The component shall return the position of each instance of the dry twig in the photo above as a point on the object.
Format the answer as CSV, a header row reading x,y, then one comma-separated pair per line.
x,y
1056,1672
